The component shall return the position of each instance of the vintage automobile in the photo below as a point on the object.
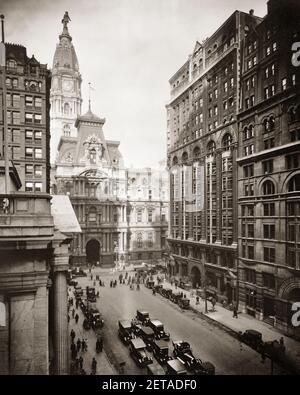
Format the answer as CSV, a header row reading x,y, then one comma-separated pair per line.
x,y
158,288
94,318
161,351
158,329
148,336
142,316
125,331
166,292
78,292
252,338
175,297
91,294
78,272
184,303
86,325
150,284
155,369
176,367
138,352
183,351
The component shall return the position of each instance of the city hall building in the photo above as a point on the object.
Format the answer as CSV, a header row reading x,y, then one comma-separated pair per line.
x,y
122,212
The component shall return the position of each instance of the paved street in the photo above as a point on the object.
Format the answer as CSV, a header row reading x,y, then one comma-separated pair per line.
x,y
208,342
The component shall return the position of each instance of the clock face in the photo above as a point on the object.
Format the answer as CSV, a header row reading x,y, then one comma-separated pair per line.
x,y
67,85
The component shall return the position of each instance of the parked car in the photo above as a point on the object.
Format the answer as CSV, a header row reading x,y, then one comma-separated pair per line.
x,y
175,297
91,294
184,303
252,338
142,316
78,292
182,351
158,329
166,292
161,351
138,352
175,367
125,331
155,369
158,288
150,284
148,336
78,272
95,319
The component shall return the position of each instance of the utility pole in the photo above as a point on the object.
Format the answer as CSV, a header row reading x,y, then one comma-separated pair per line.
x,y
5,134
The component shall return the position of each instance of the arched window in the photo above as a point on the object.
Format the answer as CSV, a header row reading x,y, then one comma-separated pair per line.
x,y
92,214
184,157
292,114
67,130
175,161
268,188
227,141
196,152
294,184
211,147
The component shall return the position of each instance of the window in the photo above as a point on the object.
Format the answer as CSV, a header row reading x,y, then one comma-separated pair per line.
x,y
267,73
294,79
38,186
93,156
29,170
28,134
28,117
268,188
15,118
269,209
267,166
16,101
216,110
38,153
248,171
226,87
92,214
28,152
28,101
249,150
249,189
28,186
251,298
268,51
274,46
284,84
231,82
38,102
37,118
247,103
250,252
293,161
294,184
150,240
266,90
250,276
268,280
269,231
38,171
227,141
272,90
67,130
150,215
38,135
139,215
15,82
251,230
269,143
273,69
139,240
269,254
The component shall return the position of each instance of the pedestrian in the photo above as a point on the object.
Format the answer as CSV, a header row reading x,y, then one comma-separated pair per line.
x,y
77,303
81,362
68,318
76,318
73,313
78,345
83,345
197,299
94,365
235,311
111,283
72,334
99,283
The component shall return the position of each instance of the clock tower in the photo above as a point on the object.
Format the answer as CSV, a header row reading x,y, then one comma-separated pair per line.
x,y
65,94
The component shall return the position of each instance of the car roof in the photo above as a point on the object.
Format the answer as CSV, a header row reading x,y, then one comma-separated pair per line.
x,y
143,312
147,330
162,344
253,332
156,322
138,343
125,323
176,365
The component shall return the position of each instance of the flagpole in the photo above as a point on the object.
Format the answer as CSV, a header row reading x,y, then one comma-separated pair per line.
x,y
6,159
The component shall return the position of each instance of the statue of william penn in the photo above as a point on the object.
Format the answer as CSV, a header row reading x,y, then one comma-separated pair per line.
x,y
66,19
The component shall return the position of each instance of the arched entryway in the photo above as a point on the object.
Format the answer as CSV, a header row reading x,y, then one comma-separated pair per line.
x,y
92,250
294,295
195,277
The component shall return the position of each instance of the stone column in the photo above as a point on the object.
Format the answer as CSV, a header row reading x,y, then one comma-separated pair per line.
x,y
60,324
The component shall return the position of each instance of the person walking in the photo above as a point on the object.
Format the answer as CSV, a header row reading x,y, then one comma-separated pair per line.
x,y
72,334
83,345
94,365
76,318
78,345
81,362
73,313
77,303
235,311
68,318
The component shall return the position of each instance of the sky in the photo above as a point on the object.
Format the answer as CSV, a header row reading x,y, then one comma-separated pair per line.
x,y
128,50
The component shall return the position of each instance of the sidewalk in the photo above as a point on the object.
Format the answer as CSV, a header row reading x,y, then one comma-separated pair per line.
x,y
224,317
